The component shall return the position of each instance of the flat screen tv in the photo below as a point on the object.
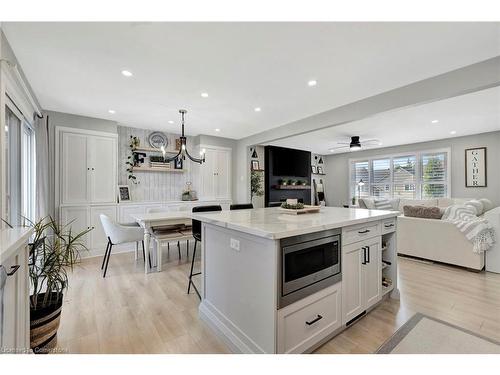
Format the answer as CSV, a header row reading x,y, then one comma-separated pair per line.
x,y
290,162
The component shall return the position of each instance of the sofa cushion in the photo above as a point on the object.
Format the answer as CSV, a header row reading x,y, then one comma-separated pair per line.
x,y
417,202
369,203
423,212
383,204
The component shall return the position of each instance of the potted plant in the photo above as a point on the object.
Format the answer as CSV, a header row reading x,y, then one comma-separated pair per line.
x,y
256,185
54,250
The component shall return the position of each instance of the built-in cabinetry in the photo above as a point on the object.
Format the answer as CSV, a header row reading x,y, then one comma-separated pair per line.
x,y
215,173
14,290
86,181
87,172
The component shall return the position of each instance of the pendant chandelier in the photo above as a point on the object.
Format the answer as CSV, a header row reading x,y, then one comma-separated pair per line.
x,y
183,152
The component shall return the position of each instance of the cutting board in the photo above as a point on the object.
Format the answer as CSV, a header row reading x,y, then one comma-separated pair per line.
x,y
306,210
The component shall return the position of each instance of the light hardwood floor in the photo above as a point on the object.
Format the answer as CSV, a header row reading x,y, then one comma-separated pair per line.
x,y
129,312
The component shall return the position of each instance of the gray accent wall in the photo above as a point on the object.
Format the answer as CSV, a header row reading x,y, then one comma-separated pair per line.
x,y
337,167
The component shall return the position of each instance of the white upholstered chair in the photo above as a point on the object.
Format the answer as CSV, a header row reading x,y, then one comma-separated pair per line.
x,y
119,234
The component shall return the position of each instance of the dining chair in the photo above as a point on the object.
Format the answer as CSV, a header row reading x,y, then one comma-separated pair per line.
x,y
119,234
241,206
196,231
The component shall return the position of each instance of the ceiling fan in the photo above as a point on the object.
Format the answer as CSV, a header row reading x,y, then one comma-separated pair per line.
x,y
355,144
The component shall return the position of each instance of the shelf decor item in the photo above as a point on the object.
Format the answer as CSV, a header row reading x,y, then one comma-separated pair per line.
x,y
54,251
158,140
314,169
123,193
132,159
320,170
475,167
178,163
183,152
255,165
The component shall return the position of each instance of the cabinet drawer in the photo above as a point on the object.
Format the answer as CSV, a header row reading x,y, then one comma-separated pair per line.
x,y
306,322
360,232
389,225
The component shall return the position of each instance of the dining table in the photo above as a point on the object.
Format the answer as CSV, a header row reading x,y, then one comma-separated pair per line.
x,y
159,219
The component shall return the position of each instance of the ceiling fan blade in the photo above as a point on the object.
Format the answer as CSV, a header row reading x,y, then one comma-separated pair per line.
x,y
370,141
343,143
338,148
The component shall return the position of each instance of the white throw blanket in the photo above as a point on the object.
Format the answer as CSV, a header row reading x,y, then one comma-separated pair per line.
x,y
476,229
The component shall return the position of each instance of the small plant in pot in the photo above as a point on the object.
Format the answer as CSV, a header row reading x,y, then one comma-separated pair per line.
x,y
55,250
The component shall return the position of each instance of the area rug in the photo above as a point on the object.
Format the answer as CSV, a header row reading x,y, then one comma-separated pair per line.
x,y
425,335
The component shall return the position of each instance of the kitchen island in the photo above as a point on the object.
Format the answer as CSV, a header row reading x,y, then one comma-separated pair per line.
x,y
279,283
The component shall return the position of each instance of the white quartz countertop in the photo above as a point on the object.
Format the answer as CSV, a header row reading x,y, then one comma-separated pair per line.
x,y
272,223
12,239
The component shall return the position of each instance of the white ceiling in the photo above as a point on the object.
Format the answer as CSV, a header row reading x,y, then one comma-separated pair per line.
x,y
75,67
474,113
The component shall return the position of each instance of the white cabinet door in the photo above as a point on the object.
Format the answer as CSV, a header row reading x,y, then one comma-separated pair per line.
x,y
353,298
15,318
207,172
102,163
223,175
98,238
74,173
78,218
373,272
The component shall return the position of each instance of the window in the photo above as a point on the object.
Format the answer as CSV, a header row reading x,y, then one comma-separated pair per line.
x,y
434,175
359,179
416,175
19,156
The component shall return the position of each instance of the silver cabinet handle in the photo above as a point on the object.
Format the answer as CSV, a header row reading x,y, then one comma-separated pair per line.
x,y
364,231
13,270
388,225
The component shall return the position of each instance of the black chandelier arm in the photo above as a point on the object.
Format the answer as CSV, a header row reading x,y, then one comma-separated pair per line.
x,y
168,160
196,160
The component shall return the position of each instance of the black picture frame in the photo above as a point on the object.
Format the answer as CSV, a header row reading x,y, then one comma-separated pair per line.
x,y
314,169
123,193
178,164
483,168
320,170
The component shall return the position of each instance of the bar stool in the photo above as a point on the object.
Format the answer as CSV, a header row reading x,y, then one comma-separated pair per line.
x,y
196,231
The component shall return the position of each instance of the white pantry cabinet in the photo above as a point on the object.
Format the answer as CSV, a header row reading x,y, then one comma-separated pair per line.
x,y
215,173
361,277
87,163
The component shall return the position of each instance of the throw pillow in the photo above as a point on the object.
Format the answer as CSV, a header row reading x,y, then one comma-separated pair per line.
x,y
478,206
423,212
487,204
369,203
383,204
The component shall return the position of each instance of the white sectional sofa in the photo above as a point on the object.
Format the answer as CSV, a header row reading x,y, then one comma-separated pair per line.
x,y
438,240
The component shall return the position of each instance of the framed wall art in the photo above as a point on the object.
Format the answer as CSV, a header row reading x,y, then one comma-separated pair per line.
x,y
475,167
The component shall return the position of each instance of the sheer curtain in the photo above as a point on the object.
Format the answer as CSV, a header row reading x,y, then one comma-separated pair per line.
x,y
42,167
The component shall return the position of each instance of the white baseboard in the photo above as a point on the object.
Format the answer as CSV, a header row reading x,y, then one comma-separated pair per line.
x,y
237,341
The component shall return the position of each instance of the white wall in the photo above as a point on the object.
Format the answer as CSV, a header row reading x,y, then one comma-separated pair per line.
x,y
337,167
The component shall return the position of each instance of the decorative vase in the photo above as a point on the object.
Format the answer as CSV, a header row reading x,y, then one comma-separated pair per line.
x,y
44,323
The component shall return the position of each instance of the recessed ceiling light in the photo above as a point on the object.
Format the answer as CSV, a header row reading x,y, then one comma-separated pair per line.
x,y
112,111
312,83
204,95
170,122
453,132
331,150
257,109
217,130
127,73
435,121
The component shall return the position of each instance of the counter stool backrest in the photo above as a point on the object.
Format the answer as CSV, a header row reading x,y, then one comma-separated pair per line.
x,y
243,206
197,223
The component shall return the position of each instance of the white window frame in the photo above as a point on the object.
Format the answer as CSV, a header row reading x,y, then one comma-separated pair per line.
x,y
418,178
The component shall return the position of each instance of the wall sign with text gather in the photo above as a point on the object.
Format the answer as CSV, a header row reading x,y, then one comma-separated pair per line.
x,y
475,167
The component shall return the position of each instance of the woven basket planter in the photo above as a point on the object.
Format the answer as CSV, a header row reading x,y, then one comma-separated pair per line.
x,y
44,323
